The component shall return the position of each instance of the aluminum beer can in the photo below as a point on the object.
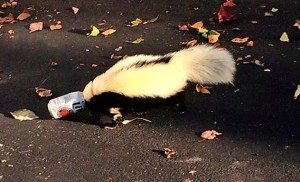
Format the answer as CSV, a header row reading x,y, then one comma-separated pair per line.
x,y
66,104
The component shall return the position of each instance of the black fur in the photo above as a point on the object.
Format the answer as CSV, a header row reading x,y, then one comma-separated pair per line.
x,y
99,106
162,60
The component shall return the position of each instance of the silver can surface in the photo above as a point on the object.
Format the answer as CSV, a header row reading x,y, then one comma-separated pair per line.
x,y
66,104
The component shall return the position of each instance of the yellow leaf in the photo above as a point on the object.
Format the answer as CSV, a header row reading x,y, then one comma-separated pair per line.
x,y
108,32
297,92
135,22
95,31
274,10
137,41
284,37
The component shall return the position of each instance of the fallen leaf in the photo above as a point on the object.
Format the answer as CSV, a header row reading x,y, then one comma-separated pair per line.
x,y
128,121
189,43
108,32
229,3
94,32
118,48
297,92
210,134
151,20
35,27
169,152
135,22
225,15
10,32
24,15
183,27
42,92
13,4
269,14
240,40
250,44
297,24
56,26
75,10
24,114
53,64
8,19
137,41
197,25
202,89
274,10
213,38
284,37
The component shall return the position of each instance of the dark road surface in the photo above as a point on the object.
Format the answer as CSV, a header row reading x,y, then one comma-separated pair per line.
x,y
258,116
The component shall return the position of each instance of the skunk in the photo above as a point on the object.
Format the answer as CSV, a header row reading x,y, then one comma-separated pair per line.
x,y
161,76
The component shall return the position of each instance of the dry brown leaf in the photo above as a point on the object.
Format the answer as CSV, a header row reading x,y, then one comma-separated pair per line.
x,y
210,134
75,10
37,26
183,27
169,152
229,3
297,24
24,15
197,25
53,64
202,89
240,40
8,19
56,26
10,32
151,20
42,92
108,32
250,43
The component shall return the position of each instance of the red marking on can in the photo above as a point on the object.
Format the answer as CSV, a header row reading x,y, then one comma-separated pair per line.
x,y
64,112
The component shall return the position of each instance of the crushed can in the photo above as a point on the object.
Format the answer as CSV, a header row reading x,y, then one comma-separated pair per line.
x,y
66,104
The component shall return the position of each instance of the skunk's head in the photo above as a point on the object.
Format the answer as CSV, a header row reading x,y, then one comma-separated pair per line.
x,y
88,91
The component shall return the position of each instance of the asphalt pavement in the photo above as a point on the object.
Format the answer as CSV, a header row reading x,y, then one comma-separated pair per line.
x,y
257,116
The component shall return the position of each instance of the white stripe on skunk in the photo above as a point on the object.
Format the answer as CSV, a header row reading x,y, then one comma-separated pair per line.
x,y
162,76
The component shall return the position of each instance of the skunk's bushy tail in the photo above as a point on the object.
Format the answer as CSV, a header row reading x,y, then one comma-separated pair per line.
x,y
206,64
164,75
